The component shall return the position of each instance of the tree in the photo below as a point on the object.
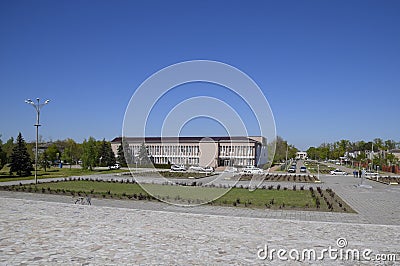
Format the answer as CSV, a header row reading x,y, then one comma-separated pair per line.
x,y
3,157
143,155
280,150
106,156
8,148
72,152
125,154
20,159
44,161
53,153
390,144
89,155
121,156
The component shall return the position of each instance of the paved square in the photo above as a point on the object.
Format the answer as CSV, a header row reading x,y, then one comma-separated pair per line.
x,y
41,229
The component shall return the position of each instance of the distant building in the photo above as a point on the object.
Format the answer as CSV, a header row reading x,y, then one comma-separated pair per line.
x,y
202,151
301,155
396,153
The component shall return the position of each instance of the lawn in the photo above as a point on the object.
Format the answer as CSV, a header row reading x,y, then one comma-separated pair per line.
x,y
313,167
54,172
272,198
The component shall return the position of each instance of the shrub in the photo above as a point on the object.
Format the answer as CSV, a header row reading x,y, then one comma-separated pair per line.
x,y
272,201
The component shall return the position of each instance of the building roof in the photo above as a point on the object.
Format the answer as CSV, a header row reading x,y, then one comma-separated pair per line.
x,y
184,139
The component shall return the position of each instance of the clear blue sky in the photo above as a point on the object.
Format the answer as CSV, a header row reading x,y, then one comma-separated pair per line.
x,y
329,69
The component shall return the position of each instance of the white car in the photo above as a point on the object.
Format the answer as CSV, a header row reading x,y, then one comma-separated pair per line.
x,y
231,170
177,167
292,169
208,169
115,166
338,172
252,170
370,173
196,168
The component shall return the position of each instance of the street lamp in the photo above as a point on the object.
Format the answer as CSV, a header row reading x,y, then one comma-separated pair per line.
x,y
37,107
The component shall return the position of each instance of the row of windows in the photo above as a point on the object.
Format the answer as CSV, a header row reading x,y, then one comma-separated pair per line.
x,y
237,162
193,151
176,160
236,151
187,150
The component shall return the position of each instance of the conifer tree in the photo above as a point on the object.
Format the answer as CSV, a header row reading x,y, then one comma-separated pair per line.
x,y
20,159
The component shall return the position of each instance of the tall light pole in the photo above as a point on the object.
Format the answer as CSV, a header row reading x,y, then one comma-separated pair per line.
x,y
37,107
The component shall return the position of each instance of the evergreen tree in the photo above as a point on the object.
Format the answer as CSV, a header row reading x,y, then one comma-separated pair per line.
x,y
125,154
3,157
111,157
20,159
106,156
121,156
144,155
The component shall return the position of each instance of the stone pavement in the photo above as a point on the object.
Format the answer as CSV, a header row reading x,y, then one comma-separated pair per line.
x,y
35,232
43,229
379,204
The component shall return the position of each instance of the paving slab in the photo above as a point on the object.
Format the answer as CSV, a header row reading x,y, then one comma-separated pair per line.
x,y
36,232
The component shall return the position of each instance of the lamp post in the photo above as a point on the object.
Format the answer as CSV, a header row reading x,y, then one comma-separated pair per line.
x,y
37,107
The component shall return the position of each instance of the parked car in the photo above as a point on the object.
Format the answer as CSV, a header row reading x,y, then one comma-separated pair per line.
x,y
208,169
196,168
177,167
338,172
115,166
370,173
231,170
303,169
292,169
250,169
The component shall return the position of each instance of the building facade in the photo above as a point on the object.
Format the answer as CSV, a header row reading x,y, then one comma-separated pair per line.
x,y
201,151
301,155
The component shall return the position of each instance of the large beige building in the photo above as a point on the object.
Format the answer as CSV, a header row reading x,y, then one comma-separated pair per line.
x,y
202,151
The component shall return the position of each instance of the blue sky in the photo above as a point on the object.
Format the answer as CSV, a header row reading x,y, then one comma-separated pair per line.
x,y
329,69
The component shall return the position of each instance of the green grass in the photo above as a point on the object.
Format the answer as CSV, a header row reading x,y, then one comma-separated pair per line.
x,y
239,197
171,174
313,168
54,172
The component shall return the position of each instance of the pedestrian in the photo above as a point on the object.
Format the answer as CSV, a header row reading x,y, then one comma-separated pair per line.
x,y
355,173
359,173
88,200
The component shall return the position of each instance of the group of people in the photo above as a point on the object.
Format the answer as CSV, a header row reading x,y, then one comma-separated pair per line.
x,y
360,173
